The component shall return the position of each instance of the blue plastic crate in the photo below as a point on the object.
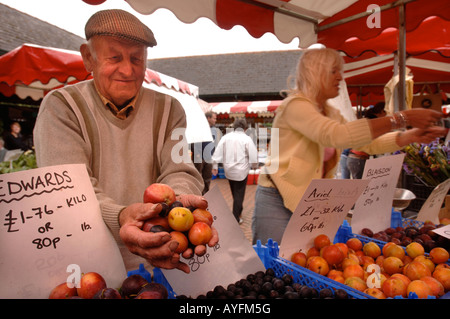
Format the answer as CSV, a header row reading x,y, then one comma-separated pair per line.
x,y
269,256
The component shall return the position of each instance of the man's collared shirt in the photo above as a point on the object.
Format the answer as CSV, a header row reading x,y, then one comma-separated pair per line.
x,y
122,113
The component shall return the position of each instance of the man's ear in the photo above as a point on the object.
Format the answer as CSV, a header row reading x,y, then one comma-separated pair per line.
x,y
87,57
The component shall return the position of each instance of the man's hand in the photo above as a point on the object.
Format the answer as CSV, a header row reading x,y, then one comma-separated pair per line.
x,y
157,248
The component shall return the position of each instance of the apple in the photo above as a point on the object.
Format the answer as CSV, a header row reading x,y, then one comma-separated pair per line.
x,y
299,258
180,219
203,215
159,193
200,234
90,284
62,291
182,240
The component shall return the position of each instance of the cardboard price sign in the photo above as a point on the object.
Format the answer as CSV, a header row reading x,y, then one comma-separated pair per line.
x,y
430,209
51,222
321,210
374,208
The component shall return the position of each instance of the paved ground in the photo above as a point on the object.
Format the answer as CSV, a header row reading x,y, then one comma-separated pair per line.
x,y
249,203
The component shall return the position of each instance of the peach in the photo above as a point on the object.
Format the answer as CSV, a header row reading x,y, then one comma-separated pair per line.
x,y
394,287
375,292
343,247
200,234
426,261
299,258
437,289
349,261
318,265
353,271
203,215
333,255
371,249
416,270
392,265
394,251
313,251
354,243
182,240
356,283
405,279
62,291
321,241
443,276
414,249
439,255
383,250
420,288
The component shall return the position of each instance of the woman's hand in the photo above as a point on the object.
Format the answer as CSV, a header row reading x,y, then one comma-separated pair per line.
x,y
422,118
418,135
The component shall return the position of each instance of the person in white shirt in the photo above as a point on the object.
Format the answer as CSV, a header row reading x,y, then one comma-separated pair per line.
x,y
237,151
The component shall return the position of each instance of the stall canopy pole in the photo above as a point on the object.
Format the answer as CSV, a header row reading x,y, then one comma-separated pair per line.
x,y
401,59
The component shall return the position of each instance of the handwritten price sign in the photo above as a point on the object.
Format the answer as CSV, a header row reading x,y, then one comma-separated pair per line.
x,y
50,218
321,210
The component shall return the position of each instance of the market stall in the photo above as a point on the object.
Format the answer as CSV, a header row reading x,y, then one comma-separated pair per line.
x,y
31,71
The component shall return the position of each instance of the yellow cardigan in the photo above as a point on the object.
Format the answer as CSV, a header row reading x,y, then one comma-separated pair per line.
x,y
303,133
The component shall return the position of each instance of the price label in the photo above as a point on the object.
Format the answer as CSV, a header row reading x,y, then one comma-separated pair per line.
x,y
50,219
321,210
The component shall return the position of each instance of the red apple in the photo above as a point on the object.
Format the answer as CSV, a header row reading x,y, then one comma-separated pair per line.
x,y
200,234
90,284
203,215
159,193
62,291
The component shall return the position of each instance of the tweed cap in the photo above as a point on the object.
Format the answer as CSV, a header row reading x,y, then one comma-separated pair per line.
x,y
119,23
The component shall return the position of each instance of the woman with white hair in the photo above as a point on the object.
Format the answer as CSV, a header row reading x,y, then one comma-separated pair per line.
x,y
312,134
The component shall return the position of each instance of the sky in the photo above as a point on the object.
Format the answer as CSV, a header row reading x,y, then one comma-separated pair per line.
x,y
175,38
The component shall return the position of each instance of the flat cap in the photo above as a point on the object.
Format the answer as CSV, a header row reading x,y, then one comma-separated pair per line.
x,y
119,23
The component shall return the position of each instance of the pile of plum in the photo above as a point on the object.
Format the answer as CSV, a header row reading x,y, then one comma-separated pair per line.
x,y
266,285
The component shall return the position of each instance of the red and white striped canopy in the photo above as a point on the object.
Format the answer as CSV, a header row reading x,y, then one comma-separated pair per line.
x,y
32,71
262,108
318,21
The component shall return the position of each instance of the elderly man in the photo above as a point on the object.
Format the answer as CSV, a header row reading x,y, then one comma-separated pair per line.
x,y
122,132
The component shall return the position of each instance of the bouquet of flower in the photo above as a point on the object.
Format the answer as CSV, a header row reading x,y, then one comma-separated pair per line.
x,y
428,162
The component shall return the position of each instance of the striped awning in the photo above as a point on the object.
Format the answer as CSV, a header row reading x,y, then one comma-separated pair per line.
x,y
261,108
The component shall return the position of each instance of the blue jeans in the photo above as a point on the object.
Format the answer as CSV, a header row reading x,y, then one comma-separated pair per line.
x,y
270,217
